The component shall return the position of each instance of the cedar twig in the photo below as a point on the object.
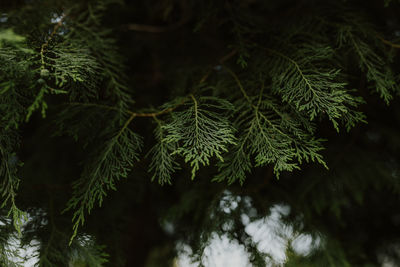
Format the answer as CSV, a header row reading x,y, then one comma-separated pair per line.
x,y
45,44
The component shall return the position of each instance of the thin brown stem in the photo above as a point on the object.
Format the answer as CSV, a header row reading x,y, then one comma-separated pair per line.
x,y
45,44
388,42
164,111
125,126
161,29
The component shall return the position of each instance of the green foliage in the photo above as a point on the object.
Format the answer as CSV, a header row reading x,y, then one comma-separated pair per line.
x,y
12,113
376,67
10,183
107,165
82,252
237,164
309,82
201,132
12,110
98,40
357,36
272,134
73,63
86,252
268,104
9,37
38,102
162,164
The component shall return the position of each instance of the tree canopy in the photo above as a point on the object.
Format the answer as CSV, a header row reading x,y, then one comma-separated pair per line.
x,y
126,127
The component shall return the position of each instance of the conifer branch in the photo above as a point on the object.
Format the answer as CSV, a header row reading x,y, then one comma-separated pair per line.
x,y
276,141
269,110
255,107
162,163
45,44
199,132
90,188
8,189
296,65
125,126
44,72
109,164
375,67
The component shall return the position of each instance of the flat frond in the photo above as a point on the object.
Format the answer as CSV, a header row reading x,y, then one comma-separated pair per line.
x,y
271,135
102,47
236,164
108,164
376,67
201,132
162,164
87,252
306,80
74,70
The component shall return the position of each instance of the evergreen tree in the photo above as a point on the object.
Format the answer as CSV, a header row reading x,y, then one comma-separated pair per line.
x,y
126,126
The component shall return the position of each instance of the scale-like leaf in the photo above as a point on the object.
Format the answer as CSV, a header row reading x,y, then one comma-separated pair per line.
x,y
201,131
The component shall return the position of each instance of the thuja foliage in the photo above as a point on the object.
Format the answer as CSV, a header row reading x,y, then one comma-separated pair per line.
x,y
201,98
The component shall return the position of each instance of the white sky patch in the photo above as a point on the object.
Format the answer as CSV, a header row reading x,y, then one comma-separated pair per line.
x,y
304,244
225,252
229,202
271,235
184,259
221,252
56,18
30,253
27,255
